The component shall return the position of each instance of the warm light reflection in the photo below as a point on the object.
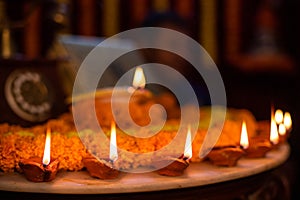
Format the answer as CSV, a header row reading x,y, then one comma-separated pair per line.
x,y
47,149
139,80
274,138
278,116
244,141
281,129
188,152
287,120
113,150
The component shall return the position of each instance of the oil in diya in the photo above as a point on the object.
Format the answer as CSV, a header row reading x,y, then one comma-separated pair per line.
x,y
102,168
177,166
38,169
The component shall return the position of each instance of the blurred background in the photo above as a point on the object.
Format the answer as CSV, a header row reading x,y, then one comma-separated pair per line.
x,y
255,44
252,42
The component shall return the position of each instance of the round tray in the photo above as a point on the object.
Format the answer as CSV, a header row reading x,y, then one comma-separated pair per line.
x,y
197,174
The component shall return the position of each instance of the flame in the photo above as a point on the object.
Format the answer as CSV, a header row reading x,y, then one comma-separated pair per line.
x,y
287,120
244,141
188,152
281,129
46,157
278,116
274,138
139,80
113,151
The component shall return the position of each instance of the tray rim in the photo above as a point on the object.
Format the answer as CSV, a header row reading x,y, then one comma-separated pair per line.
x,y
194,176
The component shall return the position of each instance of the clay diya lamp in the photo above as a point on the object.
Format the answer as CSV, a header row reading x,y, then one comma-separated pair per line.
x,y
102,168
138,91
225,156
285,127
258,148
281,125
229,155
280,129
125,101
274,135
35,171
40,169
177,166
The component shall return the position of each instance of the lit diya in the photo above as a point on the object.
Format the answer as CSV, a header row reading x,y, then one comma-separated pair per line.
x,y
274,136
138,85
101,168
284,124
137,91
257,147
178,165
229,155
125,104
287,121
40,170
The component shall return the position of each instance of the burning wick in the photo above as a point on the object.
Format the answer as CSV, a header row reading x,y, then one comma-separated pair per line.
x,y
138,90
178,165
113,150
287,121
278,116
47,149
101,168
283,124
281,129
229,155
257,147
41,170
284,128
274,138
244,141
188,152
139,80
